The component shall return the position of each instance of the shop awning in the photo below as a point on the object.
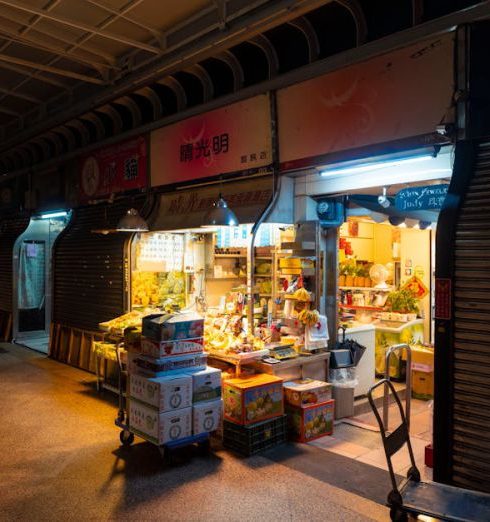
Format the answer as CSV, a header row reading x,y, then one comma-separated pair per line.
x,y
248,198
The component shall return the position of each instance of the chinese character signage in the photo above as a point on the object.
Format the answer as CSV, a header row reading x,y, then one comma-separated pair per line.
x,y
417,287
430,197
396,96
443,299
115,169
231,139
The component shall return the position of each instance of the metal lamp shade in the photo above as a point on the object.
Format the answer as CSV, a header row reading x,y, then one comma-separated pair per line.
x,y
132,222
220,215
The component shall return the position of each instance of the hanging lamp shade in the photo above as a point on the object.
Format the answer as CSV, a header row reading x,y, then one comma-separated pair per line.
x,y
220,215
132,222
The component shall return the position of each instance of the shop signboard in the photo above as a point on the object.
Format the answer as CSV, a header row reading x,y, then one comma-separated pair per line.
x,y
231,139
417,287
114,169
391,98
443,299
430,197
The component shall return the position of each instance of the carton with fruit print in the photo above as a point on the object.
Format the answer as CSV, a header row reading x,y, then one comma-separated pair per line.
x,y
252,399
310,422
171,327
305,392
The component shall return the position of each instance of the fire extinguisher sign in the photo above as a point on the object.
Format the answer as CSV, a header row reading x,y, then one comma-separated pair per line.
x,y
443,299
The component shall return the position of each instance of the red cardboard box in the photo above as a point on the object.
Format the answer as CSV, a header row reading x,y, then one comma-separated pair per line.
x,y
310,422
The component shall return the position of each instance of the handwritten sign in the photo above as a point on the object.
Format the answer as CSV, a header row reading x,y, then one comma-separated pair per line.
x,y
429,197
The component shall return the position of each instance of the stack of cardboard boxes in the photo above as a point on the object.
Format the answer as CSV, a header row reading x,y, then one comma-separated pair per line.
x,y
173,394
310,409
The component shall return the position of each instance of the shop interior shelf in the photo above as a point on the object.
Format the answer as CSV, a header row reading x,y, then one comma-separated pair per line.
x,y
263,257
224,278
366,288
230,256
353,307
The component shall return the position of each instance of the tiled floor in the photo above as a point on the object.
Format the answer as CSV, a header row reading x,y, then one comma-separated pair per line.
x,y
362,441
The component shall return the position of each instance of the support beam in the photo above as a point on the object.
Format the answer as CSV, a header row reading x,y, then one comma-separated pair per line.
x,y
15,94
23,72
357,13
52,70
80,25
9,112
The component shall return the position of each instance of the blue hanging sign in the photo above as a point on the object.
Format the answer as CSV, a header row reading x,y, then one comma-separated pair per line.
x,y
428,197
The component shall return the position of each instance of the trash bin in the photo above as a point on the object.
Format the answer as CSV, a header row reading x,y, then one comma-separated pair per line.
x,y
343,382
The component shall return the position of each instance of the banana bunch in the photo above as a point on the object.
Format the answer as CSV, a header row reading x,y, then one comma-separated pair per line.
x,y
309,317
302,295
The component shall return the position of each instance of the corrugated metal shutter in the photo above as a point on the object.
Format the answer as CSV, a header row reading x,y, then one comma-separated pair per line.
x,y
90,279
471,395
10,230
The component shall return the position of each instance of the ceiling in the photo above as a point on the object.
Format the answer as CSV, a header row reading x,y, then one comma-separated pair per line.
x,y
75,72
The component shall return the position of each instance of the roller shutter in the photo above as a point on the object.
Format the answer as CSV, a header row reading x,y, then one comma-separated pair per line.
x,y
470,437
90,275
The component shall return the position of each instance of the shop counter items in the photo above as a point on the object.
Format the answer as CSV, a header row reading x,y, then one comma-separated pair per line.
x,y
166,348
305,392
310,422
157,427
164,393
253,399
207,416
206,385
170,327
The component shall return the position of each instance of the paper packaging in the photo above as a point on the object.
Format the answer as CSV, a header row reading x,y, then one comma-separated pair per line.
x,y
206,385
311,422
207,416
159,428
164,393
165,349
252,399
177,363
170,327
305,392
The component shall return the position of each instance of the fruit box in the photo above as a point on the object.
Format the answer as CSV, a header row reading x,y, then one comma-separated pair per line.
x,y
170,327
207,416
164,393
164,349
160,367
206,385
305,392
253,399
157,427
310,422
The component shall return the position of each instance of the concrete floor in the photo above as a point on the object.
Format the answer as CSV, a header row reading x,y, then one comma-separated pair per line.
x,y
61,460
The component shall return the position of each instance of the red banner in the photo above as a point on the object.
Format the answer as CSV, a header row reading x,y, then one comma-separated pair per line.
x,y
115,169
231,139
443,299
399,95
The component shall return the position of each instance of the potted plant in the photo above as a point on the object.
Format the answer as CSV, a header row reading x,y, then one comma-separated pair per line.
x,y
403,302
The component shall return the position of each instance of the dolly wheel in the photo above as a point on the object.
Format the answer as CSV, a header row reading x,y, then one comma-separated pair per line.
x,y
126,438
397,515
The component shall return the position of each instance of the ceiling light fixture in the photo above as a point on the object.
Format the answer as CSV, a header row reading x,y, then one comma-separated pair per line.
x,y
220,215
383,199
132,222
55,214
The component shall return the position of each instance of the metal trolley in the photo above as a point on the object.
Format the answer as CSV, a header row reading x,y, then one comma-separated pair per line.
x,y
415,497
127,434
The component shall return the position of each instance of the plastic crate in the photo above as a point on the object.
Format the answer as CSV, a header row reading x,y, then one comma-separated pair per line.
x,y
254,438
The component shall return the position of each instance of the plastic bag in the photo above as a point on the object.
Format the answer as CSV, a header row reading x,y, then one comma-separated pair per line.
x,y
343,377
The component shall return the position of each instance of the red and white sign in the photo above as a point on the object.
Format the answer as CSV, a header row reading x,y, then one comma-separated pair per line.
x,y
417,287
115,169
399,95
443,299
231,139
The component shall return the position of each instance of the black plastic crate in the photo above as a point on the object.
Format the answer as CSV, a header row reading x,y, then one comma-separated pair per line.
x,y
254,438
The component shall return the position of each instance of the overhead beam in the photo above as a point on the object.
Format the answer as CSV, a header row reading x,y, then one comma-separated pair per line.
x,y
52,70
355,9
21,96
80,25
10,112
44,79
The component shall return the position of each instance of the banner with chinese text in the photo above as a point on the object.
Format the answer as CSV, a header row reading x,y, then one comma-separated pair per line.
x,y
230,139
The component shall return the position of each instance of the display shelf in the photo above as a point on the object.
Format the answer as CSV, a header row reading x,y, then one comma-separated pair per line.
x,y
366,288
268,276
354,307
225,278
230,256
263,258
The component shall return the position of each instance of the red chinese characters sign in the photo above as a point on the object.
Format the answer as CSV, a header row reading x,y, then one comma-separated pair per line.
x,y
231,139
115,169
400,95
417,287
443,299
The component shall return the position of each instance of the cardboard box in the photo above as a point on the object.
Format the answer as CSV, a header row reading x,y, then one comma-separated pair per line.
x,y
207,416
310,422
206,385
170,327
422,385
132,339
164,349
161,367
252,399
305,392
159,428
164,393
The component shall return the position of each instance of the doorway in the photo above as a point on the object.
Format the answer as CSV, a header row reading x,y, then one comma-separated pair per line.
x,y
32,280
